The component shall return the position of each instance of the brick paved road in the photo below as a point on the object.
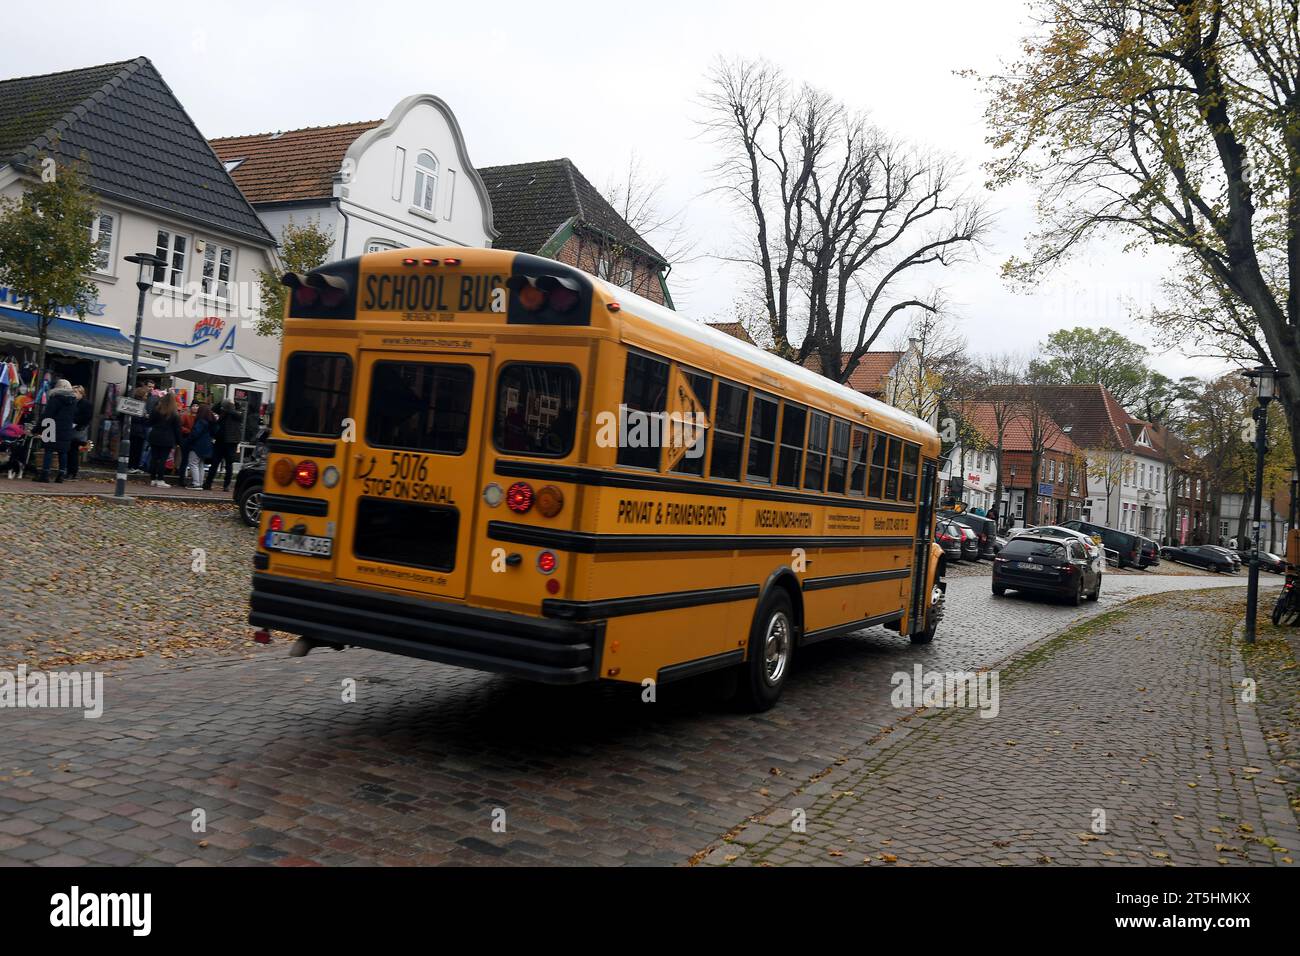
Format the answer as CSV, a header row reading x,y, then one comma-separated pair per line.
x,y
412,771
1135,717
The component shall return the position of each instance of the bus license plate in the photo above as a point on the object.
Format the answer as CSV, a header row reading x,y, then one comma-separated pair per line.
x,y
299,544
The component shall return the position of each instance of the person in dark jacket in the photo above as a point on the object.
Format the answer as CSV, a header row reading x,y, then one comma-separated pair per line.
x,y
198,447
230,430
164,436
139,429
80,430
58,423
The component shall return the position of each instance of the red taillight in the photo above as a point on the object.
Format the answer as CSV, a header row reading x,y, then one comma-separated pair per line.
x,y
276,523
305,473
546,562
519,497
531,298
552,586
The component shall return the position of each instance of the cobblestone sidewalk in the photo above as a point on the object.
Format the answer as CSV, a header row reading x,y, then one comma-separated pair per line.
x,y
1134,715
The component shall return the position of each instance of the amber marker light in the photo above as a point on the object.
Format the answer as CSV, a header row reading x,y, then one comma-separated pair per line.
x,y
550,501
282,471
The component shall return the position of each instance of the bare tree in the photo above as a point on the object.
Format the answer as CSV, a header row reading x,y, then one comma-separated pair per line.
x,y
842,218
931,347
1001,377
639,198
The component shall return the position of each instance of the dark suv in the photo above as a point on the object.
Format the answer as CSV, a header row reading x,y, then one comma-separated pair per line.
x,y
1051,566
1128,547
986,530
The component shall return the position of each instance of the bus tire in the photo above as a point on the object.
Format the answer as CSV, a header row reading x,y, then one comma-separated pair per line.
x,y
771,648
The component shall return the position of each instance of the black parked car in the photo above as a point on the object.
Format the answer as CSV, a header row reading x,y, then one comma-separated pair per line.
x,y
1227,553
985,528
970,542
1127,547
1268,561
1149,556
1201,556
1051,566
948,538
248,492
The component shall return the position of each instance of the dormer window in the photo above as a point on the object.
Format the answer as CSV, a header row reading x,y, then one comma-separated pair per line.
x,y
426,181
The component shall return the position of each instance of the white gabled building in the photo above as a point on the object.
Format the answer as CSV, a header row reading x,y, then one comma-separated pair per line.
x,y
403,181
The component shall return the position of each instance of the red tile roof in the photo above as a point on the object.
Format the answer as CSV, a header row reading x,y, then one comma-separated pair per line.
x,y
292,166
1095,418
1018,433
734,329
869,376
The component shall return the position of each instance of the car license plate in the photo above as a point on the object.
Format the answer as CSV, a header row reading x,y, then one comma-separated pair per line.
x,y
1028,566
299,544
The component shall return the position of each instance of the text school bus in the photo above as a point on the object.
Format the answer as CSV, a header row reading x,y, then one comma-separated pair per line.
x,y
465,468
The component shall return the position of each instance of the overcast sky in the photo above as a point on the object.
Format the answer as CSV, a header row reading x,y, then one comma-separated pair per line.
x,y
600,81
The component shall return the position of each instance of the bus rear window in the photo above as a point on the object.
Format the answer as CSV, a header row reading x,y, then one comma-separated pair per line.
x,y
537,409
317,390
421,406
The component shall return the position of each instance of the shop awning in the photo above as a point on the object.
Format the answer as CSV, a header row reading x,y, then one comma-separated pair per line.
x,y
73,338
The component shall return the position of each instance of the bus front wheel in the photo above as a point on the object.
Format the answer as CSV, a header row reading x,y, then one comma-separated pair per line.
x,y
771,648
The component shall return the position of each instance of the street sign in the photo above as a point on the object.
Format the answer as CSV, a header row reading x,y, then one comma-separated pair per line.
x,y
130,406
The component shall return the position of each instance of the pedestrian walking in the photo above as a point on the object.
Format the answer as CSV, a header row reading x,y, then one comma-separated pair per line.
x,y
229,432
164,437
198,446
61,410
80,430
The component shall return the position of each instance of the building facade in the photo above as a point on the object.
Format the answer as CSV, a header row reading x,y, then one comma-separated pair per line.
x,y
402,181
159,189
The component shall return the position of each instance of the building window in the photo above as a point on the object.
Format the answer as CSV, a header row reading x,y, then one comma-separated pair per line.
x,y
101,235
172,248
218,267
426,181
380,245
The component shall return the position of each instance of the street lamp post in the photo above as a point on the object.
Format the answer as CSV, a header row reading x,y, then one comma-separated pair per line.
x,y
1265,378
1011,499
145,261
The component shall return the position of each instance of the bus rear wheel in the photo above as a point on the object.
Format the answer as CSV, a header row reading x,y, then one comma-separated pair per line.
x,y
771,649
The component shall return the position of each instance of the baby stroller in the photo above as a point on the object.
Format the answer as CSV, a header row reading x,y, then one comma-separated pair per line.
x,y
15,447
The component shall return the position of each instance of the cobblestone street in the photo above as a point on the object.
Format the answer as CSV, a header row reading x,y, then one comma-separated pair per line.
x,y
419,766
1122,743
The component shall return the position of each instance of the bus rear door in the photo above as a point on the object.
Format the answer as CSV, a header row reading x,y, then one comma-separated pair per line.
x,y
412,472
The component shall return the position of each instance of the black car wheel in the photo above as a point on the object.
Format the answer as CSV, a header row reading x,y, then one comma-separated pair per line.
x,y
1077,597
999,590
250,505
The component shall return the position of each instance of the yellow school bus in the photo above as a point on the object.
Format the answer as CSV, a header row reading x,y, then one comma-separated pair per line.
x,y
475,459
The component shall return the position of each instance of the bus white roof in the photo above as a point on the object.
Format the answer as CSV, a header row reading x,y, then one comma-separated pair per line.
x,y
773,363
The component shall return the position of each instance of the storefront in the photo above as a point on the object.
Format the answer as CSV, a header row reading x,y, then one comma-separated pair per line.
x,y
86,353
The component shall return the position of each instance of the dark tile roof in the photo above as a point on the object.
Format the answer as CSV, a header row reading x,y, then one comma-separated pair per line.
x,y
294,166
136,140
530,201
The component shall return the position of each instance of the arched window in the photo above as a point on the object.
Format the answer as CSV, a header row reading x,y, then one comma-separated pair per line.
x,y
426,181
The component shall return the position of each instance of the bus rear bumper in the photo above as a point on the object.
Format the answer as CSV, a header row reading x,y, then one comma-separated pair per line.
x,y
551,652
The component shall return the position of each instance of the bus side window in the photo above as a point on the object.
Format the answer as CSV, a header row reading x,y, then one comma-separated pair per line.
x,y
835,481
877,486
645,388
858,461
728,431
907,485
692,463
762,439
793,422
814,476
891,469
